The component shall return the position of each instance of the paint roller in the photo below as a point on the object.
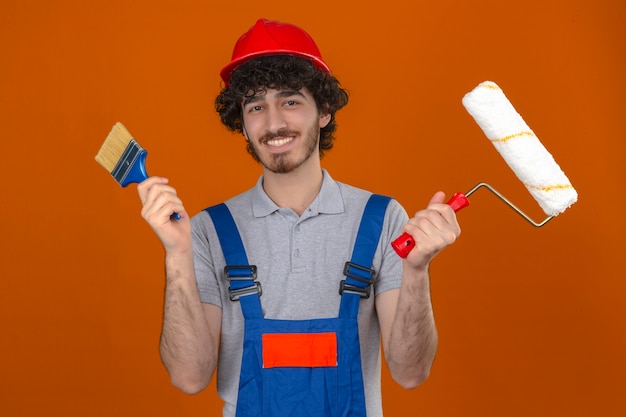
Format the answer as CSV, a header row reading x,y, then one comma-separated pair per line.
x,y
522,151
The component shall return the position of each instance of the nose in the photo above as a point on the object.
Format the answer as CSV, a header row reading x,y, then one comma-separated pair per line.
x,y
275,120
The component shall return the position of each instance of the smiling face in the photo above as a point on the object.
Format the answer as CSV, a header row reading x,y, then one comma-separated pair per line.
x,y
283,128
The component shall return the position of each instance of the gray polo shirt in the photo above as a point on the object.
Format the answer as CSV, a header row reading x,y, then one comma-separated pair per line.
x,y
299,261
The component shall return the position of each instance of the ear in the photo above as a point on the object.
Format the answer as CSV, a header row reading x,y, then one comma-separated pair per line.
x,y
324,119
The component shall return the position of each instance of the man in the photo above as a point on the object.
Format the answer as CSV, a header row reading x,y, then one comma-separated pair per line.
x,y
261,284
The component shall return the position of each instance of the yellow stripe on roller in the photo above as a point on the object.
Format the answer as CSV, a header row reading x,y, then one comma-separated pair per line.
x,y
491,86
550,187
515,135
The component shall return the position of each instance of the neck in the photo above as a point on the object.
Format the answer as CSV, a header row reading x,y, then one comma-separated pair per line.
x,y
297,189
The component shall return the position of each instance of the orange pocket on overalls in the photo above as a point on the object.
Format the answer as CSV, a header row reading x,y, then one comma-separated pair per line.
x,y
310,350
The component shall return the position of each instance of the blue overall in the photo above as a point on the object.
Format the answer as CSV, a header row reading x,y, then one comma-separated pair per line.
x,y
301,368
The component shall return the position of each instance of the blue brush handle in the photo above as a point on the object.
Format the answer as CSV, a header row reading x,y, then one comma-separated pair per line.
x,y
137,173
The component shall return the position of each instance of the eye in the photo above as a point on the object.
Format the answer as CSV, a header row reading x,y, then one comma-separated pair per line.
x,y
255,108
290,103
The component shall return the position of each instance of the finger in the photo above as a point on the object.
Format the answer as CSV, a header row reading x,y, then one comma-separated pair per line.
x,y
145,186
438,222
437,203
437,198
161,199
427,223
155,191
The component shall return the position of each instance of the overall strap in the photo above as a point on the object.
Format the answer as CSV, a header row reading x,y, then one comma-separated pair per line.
x,y
358,272
241,275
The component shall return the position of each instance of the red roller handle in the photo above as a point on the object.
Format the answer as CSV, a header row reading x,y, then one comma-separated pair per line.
x,y
403,244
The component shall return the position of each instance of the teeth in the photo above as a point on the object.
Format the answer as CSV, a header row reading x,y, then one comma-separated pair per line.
x,y
279,142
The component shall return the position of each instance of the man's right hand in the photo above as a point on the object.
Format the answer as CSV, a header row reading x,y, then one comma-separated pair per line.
x,y
160,201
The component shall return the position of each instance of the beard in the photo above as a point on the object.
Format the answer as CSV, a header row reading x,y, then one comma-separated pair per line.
x,y
282,163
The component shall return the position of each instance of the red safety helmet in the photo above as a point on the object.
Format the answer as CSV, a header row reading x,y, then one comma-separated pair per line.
x,y
273,38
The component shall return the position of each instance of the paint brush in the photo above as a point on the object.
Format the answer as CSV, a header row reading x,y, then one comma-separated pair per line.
x,y
124,158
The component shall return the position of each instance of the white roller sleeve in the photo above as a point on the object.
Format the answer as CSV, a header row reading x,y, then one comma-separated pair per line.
x,y
520,148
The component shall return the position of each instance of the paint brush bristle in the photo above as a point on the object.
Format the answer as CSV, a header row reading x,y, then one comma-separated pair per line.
x,y
113,147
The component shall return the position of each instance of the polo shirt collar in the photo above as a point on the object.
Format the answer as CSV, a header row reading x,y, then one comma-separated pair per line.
x,y
328,201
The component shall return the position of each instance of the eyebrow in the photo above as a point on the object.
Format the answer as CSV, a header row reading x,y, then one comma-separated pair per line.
x,y
280,94
289,93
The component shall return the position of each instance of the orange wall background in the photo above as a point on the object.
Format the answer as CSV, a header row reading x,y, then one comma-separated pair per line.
x,y
531,321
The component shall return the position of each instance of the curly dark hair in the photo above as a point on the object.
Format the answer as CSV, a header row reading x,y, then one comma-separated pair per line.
x,y
280,72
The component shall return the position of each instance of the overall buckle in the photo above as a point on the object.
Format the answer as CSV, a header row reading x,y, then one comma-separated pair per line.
x,y
235,295
242,273
364,292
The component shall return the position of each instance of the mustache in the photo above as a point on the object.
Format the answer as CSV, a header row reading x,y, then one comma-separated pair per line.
x,y
279,133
